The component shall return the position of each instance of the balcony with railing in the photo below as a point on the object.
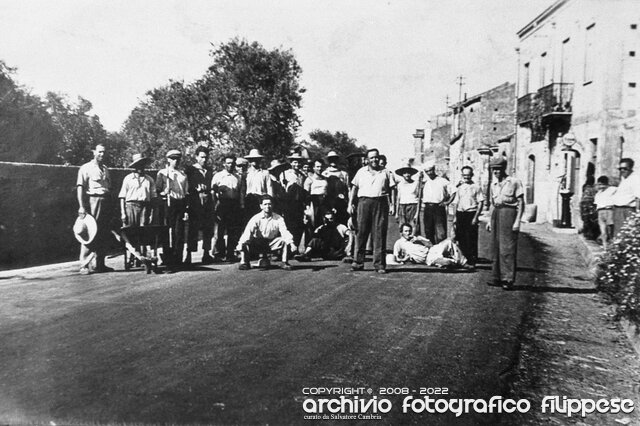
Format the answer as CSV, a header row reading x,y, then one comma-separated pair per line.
x,y
525,108
551,102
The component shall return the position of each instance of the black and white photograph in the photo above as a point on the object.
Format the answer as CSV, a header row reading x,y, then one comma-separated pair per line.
x,y
340,212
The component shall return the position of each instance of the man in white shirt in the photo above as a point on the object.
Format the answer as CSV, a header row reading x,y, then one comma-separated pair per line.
x,y
266,232
225,187
469,201
627,197
435,197
416,249
372,186
257,183
604,206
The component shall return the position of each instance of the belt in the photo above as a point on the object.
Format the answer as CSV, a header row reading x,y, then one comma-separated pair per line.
x,y
502,206
605,208
99,195
137,202
431,204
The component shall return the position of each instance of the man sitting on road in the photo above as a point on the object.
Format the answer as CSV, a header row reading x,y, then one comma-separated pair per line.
x,y
266,232
328,241
416,249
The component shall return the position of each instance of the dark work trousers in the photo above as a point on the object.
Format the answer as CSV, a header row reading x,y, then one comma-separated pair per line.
x,y
252,205
200,219
505,243
467,235
294,218
229,224
434,222
373,218
174,219
407,214
137,212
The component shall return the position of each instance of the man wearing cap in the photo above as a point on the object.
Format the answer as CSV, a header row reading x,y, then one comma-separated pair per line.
x,y
407,192
225,186
94,198
200,206
371,186
136,193
258,183
337,188
173,187
469,201
435,197
266,232
295,197
626,199
507,205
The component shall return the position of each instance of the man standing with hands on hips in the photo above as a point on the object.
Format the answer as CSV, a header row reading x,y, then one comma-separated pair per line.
x,y
507,205
372,186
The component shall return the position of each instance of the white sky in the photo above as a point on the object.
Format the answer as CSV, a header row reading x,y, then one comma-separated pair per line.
x,y
374,69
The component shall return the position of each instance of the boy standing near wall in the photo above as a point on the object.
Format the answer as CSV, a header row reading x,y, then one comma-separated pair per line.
x,y
604,205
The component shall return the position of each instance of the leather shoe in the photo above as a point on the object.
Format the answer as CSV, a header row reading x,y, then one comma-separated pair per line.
x,y
244,267
381,271
103,269
357,267
494,283
206,259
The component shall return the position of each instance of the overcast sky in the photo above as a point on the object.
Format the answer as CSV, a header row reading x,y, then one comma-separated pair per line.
x,y
374,69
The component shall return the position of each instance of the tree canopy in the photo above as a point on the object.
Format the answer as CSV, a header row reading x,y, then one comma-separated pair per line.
x,y
323,141
248,98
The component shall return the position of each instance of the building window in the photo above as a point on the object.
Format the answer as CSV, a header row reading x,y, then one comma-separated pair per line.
x,y
543,69
632,53
632,84
565,74
588,53
525,79
634,26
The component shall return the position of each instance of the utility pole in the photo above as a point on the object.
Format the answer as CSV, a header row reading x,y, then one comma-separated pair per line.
x,y
446,103
460,80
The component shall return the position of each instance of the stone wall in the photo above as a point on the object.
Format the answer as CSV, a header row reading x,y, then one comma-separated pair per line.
x,y
37,210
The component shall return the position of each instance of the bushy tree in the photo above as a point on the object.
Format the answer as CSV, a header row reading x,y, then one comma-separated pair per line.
x,y
323,141
248,98
27,133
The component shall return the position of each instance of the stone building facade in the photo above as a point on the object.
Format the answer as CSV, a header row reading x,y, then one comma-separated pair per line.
x,y
578,100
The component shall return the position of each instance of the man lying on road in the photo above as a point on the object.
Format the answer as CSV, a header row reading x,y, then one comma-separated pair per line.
x,y
416,249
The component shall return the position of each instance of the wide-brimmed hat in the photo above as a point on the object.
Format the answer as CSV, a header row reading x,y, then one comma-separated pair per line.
x,y
241,161
173,153
429,165
406,169
296,156
254,153
333,154
85,229
498,163
277,167
139,161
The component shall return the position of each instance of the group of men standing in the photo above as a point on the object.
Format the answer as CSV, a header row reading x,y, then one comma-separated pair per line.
x,y
281,207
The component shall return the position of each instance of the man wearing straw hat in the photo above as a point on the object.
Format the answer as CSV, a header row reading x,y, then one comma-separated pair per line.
x,y
507,205
172,186
257,184
94,198
295,196
407,193
337,187
136,193
276,168
201,212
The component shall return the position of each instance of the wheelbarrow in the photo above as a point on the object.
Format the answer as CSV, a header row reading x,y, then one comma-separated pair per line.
x,y
132,238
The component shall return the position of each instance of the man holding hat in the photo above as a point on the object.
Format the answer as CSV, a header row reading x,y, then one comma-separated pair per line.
x,y
258,183
94,198
337,188
200,208
372,187
172,186
295,196
434,197
407,192
136,193
507,205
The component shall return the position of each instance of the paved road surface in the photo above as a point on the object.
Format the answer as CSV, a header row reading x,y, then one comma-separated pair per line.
x,y
215,345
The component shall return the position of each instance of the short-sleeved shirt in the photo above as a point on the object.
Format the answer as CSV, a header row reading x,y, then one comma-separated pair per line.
x,y
507,192
173,182
226,185
94,178
628,191
435,190
408,192
137,188
316,186
264,226
604,199
468,197
258,182
373,183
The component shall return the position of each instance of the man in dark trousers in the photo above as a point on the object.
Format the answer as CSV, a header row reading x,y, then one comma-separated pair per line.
x,y
200,206
507,205
372,186
469,202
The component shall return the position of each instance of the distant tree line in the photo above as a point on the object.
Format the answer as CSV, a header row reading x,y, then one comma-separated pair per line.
x,y
248,98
